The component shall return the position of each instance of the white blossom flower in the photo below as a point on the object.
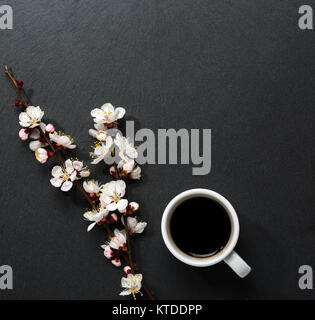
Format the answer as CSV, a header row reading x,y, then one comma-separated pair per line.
x,y
31,118
41,155
111,249
36,144
132,284
91,186
101,150
76,170
134,226
100,133
111,254
118,241
95,216
34,135
129,169
135,174
126,149
107,114
111,196
61,178
64,177
62,140
37,140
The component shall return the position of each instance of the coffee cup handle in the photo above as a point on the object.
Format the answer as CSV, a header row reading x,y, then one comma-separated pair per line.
x,y
237,264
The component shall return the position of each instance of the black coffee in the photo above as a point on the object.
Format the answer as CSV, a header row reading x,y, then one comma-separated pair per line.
x,y
200,227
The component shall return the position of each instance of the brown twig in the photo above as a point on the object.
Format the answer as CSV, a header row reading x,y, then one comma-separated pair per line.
x,y
128,244
110,233
20,90
116,171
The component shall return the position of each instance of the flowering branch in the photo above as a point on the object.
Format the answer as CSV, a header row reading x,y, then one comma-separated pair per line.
x,y
104,200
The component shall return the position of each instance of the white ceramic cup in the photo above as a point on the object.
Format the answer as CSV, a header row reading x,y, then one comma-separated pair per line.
x,y
227,254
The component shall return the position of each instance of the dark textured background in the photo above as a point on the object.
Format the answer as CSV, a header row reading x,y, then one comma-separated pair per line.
x,y
241,68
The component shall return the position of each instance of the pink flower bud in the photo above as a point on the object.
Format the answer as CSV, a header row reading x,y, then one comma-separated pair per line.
x,y
133,206
20,83
23,134
108,252
112,171
127,269
50,128
116,262
114,217
18,103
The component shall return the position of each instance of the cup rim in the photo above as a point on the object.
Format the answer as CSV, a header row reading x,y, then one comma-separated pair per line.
x,y
182,256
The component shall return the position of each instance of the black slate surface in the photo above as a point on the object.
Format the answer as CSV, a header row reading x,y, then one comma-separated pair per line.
x,y
241,68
